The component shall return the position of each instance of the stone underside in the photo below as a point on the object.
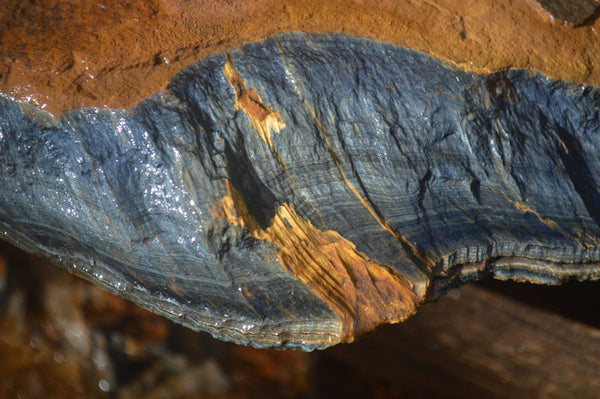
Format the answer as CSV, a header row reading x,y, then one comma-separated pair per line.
x,y
302,190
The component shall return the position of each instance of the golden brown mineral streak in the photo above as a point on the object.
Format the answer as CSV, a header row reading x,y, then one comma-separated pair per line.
x,y
264,119
361,291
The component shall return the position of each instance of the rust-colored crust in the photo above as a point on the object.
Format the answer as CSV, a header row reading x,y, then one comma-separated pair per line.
x,y
110,53
361,291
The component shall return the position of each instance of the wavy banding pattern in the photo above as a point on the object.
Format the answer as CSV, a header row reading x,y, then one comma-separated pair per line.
x,y
302,190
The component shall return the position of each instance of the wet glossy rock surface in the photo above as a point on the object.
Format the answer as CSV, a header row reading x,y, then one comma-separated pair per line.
x,y
420,170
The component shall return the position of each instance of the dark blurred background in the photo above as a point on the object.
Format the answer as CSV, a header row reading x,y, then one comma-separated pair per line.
x,y
62,337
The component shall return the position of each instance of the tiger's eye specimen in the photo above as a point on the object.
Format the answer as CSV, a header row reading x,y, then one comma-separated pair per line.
x,y
300,191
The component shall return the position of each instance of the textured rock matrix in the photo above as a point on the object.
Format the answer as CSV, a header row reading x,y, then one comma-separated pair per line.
x,y
62,55
302,190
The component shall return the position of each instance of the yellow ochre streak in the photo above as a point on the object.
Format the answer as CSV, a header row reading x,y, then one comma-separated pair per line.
x,y
264,119
409,246
546,221
361,291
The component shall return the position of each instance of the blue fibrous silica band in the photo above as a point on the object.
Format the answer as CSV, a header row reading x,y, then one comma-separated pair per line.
x,y
251,197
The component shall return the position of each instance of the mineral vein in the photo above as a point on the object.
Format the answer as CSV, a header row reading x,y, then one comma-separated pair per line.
x,y
299,191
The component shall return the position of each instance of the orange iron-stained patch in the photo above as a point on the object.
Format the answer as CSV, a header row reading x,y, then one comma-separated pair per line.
x,y
264,119
361,291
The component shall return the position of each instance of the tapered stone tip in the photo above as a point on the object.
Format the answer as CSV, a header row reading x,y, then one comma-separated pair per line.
x,y
574,12
300,191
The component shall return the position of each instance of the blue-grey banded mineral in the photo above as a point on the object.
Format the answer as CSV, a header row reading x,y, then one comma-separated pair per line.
x,y
300,191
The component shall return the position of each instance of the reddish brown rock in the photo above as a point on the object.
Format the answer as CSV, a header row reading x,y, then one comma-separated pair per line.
x,y
111,53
